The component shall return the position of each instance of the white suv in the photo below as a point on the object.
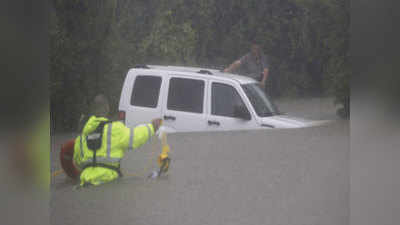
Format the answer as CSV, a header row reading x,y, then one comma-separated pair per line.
x,y
198,99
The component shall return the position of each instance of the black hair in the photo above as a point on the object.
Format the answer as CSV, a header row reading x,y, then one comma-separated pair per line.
x,y
254,39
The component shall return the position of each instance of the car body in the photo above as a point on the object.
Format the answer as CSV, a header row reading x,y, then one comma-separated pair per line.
x,y
198,99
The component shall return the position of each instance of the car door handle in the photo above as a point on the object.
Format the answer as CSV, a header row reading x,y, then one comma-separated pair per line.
x,y
213,123
267,125
169,117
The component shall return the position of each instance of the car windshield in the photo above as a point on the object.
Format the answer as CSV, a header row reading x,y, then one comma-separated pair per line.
x,y
261,102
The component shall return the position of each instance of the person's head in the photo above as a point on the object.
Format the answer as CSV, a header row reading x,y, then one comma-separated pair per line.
x,y
255,47
100,106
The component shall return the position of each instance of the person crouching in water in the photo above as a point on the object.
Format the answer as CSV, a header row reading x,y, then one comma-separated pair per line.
x,y
102,144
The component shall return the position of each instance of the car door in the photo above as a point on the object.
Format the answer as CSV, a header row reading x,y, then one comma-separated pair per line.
x,y
223,99
185,104
144,102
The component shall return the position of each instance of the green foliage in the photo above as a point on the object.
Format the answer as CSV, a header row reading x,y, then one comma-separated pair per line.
x,y
170,41
94,43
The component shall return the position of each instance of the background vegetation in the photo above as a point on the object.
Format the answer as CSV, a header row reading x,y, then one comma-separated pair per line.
x,y
95,42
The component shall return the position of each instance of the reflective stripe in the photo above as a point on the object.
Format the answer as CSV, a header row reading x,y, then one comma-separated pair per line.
x,y
113,160
100,160
109,140
148,131
80,145
131,136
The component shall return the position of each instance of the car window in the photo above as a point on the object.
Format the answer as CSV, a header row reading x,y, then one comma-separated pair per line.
x,y
186,95
146,91
224,99
262,104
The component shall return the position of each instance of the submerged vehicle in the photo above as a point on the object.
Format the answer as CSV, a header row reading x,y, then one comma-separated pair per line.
x,y
199,99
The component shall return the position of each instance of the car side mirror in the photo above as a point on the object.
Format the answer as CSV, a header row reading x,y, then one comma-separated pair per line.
x,y
240,111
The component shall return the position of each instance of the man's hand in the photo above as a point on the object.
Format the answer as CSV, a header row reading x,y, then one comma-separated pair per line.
x,y
232,67
156,124
262,84
264,79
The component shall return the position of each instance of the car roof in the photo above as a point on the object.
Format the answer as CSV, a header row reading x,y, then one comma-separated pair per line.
x,y
198,71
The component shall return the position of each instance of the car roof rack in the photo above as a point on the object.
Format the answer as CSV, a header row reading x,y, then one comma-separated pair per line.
x,y
141,66
205,72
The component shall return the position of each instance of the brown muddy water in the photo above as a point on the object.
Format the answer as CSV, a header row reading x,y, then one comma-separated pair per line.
x,y
288,177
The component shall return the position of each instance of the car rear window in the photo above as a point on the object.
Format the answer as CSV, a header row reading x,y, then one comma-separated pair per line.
x,y
146,91
186,95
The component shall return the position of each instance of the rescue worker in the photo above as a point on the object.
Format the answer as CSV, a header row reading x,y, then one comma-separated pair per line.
x,y
102,143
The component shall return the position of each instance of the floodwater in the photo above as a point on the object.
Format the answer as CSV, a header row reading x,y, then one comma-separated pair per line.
x,y
287,177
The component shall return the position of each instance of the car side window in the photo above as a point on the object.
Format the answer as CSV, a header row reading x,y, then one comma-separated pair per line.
x,y
224,98
146,91
186,95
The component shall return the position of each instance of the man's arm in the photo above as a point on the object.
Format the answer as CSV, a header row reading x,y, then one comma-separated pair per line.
x,y
265,76
233,66
265,64
139,135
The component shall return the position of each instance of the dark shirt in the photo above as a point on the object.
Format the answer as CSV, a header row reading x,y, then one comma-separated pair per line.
x,y
252,67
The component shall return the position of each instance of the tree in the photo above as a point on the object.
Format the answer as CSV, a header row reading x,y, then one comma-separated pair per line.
x,y
94,43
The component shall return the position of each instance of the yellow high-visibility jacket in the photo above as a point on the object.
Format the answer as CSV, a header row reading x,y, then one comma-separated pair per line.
x,y
116,140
